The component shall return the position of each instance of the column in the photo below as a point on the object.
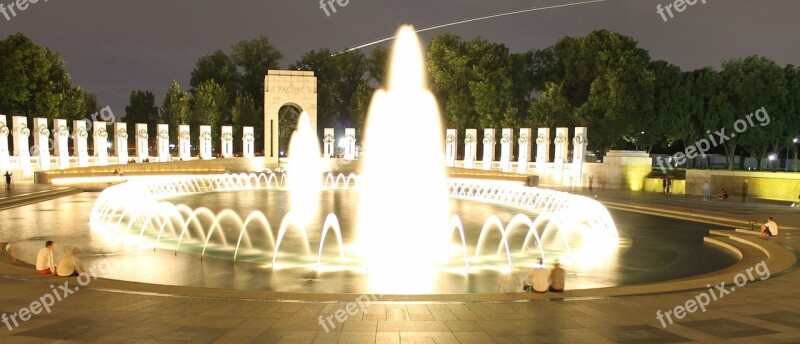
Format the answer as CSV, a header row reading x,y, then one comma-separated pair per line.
x,y
506,149
524,151
451,147
488,148
61,142
142,143
349,143
81,147
205,143
101,142
21,145
184,142
328,143
249,142
227,141
121,137
163,143
542,149
562,147
5,158
579,143
41,142
470,147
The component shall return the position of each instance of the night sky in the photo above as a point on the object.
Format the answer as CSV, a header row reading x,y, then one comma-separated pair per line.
x,y
114,46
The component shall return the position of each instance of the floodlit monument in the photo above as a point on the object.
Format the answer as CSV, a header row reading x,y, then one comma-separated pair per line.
x,y
400,234
286,87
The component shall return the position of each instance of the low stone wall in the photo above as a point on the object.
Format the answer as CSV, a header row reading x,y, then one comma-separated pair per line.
x,y
776,186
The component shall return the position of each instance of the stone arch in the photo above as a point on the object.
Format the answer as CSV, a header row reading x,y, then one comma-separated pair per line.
x,y
287,118
286,87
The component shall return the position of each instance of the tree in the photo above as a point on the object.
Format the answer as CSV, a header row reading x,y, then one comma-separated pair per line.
x,y
342,79
751,84
245,113
377,64
450,74
669,121
35,82
254,58
142,108
217,67
607,80
175,109
210,106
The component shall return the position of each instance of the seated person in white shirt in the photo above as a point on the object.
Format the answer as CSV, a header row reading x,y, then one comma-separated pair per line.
x,y
539,278
770,228
45,265
69,265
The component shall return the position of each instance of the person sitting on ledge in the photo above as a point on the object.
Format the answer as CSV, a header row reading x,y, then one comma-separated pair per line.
x,y
770,228
557,278
538,278
723,195
68,264
44,259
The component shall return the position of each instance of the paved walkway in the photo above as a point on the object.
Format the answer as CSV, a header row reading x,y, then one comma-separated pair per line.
x,y
762,311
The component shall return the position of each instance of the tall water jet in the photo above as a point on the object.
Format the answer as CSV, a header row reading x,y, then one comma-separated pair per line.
x,y
305,172
403,206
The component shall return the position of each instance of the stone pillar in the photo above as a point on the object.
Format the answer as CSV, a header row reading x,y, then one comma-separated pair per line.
x,y
249,142
579,152
562,148
349,143
542,149
121,137
328,143
61,142
205,143
21,145
5,159
506,149
488,148
226,142
184,142
79,139
451,147
163,143
101,143
41,142
470,148
142,143
524,151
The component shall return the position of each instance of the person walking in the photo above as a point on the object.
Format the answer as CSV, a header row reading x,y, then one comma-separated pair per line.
x,y
664,184
8,179
706,190
745,188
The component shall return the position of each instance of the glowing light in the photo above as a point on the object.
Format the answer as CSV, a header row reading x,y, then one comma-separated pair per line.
x,y
402,216
304,171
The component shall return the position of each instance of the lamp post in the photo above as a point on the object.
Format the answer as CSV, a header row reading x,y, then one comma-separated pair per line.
x,y
771,159
795,153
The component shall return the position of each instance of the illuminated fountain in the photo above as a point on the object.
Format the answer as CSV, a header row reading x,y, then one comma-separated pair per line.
x,y
404,236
